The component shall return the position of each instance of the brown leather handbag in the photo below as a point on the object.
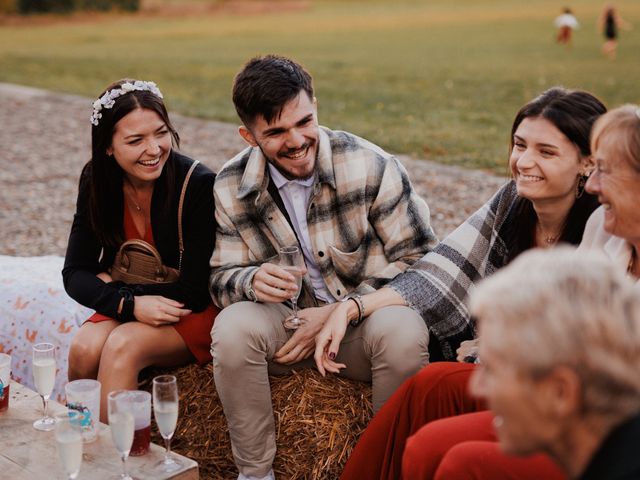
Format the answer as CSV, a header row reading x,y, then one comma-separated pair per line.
x,y
139,262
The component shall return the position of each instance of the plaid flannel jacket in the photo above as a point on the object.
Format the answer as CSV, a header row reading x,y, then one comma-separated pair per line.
x,y
437,285
365,221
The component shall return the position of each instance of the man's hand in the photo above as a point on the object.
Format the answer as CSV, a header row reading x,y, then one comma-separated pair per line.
x,y
273,284
155,310
302,343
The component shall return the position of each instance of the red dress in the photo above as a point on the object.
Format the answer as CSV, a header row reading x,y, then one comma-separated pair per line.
x,y
195,328
422,432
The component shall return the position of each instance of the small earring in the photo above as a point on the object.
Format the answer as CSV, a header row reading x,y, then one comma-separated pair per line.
x,y
582,181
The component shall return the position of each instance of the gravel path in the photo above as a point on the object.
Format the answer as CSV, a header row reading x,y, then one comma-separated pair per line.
x,y
45,141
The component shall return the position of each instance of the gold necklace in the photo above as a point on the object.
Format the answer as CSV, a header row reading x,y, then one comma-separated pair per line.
x,y
138,207
548,239
132,199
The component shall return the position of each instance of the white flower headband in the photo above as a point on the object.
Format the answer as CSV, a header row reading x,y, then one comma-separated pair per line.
x,y
109,98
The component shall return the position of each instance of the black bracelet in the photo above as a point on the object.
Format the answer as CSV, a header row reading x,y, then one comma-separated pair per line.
x,y
128,303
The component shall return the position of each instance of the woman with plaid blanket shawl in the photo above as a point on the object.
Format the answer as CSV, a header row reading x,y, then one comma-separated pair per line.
x,y
544,204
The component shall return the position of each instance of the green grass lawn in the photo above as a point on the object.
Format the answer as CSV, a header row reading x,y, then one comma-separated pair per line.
x,y
440,79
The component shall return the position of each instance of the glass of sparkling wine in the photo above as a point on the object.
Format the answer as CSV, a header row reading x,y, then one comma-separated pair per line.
x,y
292,261
165,410
121,423
68,433
44,377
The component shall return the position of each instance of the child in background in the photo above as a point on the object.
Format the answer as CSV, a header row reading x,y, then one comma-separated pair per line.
x,y
566,24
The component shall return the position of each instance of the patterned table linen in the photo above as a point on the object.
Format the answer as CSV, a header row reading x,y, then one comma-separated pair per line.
x,y
35,308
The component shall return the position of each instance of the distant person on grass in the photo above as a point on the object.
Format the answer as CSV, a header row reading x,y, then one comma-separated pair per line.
x,y
130,189
610,23
351,209
566,24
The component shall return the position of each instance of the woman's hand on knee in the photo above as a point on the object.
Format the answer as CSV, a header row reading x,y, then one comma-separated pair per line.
x,y
156,310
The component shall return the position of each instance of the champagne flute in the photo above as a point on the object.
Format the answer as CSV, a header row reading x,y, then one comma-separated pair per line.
x,y
121,422
44,377
68,433
165,410
292,261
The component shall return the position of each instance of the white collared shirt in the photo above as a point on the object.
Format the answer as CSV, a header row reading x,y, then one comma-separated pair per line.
x,y
295,195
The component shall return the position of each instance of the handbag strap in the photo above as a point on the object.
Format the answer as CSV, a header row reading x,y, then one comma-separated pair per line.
x,y
180,204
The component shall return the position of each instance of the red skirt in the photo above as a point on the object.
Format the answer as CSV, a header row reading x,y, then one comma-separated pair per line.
x,y
195,330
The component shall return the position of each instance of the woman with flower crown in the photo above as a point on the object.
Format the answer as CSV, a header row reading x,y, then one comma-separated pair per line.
x,y
130,189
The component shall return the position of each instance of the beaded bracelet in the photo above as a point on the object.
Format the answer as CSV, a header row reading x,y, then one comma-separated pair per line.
x,y
361,314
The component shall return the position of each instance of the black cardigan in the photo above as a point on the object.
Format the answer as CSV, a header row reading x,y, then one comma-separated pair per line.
x,y
86,256
617,458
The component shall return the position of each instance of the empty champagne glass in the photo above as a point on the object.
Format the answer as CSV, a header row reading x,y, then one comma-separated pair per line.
x,y
292,261
44,377
121,423
165,411
68,433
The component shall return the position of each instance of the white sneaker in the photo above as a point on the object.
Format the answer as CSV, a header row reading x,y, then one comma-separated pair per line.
x,y
268,476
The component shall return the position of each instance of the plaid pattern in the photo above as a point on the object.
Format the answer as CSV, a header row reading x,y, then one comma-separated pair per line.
x,y
437,285
366,222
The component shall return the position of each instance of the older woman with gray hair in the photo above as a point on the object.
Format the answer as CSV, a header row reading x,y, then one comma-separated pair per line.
x,y
560,359
615,226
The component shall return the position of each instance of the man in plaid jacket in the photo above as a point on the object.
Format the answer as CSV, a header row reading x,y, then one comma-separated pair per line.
x,y
351,210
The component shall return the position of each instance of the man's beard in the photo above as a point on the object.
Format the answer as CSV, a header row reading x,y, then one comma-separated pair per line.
x,y
288,175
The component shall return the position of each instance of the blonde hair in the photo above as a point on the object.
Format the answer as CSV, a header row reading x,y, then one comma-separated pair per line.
x,y
623,123
576,309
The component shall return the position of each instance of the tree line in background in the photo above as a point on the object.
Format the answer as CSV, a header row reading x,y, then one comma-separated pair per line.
x,y
65,6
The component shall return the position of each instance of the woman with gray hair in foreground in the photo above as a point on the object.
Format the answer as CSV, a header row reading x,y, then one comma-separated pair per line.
x,y
560,358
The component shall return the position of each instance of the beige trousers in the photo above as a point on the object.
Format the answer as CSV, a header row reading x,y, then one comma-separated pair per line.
x,y
388,347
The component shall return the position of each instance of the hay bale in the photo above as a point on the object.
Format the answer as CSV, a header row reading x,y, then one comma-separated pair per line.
x,y
318,421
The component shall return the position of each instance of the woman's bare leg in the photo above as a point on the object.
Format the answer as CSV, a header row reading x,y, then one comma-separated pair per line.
x,y
86,348
132,347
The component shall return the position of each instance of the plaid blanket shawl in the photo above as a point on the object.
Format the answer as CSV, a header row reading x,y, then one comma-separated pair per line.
x,y
437,285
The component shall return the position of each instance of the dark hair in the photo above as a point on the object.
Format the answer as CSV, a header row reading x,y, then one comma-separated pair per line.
x,y
103,172
266,84
573,112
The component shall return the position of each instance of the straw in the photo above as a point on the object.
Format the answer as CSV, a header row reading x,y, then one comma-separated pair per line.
x,y
318,422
